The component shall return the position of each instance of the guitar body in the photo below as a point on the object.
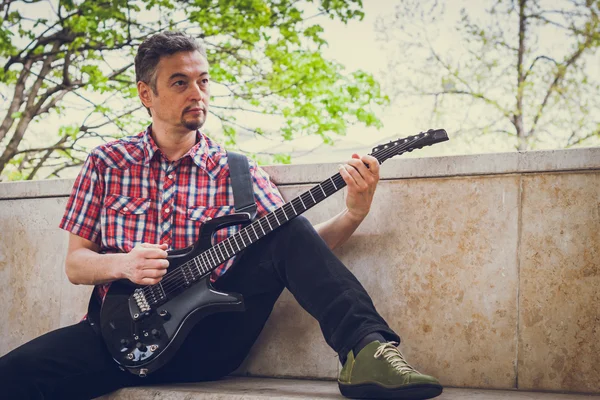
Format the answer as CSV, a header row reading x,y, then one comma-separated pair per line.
x,y
143,341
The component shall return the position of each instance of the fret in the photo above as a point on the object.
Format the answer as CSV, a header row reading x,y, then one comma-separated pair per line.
x,y
225,247
311,195
324,194
275,214
206,262
292,204
261,228
284,213
302,201
331,179
241,237
228,242
269,222
214,255
236,243
197,267
220,251
248,234
212,258
255,234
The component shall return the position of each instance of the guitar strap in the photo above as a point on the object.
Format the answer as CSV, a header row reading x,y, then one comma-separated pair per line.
x,y
243,199
241,183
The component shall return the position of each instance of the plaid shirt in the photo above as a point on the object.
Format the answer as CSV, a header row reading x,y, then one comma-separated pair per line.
x,y
128,193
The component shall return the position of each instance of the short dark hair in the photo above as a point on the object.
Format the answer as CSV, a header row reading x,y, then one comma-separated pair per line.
x,y
156,46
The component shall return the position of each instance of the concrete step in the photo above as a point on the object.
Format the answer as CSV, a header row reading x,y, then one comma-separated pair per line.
x,y
237,388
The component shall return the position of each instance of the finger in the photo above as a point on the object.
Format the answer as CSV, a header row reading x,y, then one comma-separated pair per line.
x,y
360,167
349,179
156,264
358,181
154,273
149,281
372,163
155,253
355,155
152,245
360,173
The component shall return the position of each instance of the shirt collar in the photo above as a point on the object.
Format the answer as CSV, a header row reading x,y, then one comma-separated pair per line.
x,y
206,154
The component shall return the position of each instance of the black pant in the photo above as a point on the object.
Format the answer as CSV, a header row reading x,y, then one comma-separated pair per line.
x,y
73,363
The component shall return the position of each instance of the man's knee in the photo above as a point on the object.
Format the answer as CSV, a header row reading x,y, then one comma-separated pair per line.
x,y
298,226
16,378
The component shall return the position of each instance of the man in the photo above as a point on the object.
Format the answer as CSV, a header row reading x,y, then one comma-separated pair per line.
x,y
138,197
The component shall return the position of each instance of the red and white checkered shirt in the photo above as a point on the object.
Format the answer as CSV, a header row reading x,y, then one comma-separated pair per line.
x,y
129,193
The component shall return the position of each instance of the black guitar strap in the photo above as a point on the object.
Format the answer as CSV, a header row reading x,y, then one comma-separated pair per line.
x,y
241,183
243,197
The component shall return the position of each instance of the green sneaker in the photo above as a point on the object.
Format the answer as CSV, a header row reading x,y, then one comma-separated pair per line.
x,y
380,371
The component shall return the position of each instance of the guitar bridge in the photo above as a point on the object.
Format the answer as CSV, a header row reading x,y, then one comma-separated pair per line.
x,y
141,301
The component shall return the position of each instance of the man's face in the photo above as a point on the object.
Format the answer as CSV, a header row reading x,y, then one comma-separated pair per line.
x,y
182,91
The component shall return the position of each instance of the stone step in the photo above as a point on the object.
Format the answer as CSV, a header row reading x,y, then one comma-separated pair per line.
x,y
237,388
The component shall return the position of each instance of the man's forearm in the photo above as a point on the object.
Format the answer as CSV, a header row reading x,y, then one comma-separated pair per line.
x,y
87,267
338,229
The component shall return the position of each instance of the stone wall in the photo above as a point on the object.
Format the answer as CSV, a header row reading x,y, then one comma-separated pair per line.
x,y
488,267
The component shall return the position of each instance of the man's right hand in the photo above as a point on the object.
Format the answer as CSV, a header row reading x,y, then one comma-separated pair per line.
x,y
146,264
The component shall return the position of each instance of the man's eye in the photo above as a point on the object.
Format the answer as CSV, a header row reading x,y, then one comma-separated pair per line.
x,y
179,83
205,81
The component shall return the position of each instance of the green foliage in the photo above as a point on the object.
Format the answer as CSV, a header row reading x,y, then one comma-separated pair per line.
x,y
265,52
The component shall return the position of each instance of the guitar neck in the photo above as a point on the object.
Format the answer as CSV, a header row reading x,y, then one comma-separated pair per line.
x,y
224,250
202,265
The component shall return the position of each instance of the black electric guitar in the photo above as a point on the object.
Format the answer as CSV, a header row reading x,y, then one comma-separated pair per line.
x,y
143,326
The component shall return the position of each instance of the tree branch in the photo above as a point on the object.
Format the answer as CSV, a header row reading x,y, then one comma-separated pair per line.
x,y
561,71
583,139
16,101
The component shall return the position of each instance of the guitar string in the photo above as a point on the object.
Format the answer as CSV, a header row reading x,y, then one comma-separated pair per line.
x,y
171,283
167,286
286,209
178,282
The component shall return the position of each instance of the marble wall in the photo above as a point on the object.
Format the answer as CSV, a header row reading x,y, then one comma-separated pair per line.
x,y
491,277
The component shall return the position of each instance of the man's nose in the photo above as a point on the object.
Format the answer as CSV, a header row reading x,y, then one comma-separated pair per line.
x,y
197,93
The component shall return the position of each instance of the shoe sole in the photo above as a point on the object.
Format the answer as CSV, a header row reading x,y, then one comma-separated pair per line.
x,y
374,391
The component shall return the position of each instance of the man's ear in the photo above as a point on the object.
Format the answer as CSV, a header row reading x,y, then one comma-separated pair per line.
x,y
145,93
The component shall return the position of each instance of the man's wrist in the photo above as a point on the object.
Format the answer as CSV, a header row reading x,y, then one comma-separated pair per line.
x,y
355,217
116,265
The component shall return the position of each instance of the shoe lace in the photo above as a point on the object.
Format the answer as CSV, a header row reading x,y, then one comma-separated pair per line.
x,y
391,353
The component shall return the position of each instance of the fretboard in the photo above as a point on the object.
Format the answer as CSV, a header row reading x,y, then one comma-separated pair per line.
x,y
224,250
202,265
205,262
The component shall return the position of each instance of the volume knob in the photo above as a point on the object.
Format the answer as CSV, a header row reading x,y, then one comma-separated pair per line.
x,y
141,347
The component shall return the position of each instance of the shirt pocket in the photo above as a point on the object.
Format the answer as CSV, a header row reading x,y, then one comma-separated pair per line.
x,y
125,222
127,205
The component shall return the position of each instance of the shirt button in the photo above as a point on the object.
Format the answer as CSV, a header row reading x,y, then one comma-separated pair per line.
x,y
167,210
170,176
125,209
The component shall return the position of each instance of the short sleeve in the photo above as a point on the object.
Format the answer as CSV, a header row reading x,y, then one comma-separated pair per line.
x,y
82,214
266,193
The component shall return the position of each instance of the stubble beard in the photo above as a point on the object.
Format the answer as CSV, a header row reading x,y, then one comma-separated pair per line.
x,y
193,124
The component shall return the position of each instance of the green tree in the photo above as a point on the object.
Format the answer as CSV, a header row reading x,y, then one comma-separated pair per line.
x,y
264,54
523,70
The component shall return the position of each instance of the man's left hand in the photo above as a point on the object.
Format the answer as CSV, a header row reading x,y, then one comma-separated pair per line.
x,y
361,182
